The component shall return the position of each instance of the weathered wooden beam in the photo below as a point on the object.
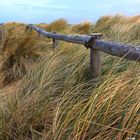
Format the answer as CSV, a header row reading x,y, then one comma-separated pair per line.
x,y
97,35
55,42
95,58
126,51
68,38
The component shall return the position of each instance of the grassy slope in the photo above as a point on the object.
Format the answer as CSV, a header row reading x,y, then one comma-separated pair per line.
x,y
56,99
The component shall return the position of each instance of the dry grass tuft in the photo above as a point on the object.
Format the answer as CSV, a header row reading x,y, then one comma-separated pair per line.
x,y
43,26
119,28
57,25
57,101
82,28
135,19
19,50
106,112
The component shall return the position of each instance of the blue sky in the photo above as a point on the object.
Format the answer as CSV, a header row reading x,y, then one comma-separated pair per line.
x,y
75,11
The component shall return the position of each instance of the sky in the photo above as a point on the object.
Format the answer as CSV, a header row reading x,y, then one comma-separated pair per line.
x,y
75,11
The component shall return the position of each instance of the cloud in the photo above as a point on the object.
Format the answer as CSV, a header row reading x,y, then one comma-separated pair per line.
x,y
43,8
22,5
50,6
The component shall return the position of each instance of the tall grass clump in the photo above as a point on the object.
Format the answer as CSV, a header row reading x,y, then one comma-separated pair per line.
x,y
57,100
105,24
119,28
135,19
109,111
19,50
43,26
57,25
82,28
33,109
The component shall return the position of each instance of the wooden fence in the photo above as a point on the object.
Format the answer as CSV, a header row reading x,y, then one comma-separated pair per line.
x,y
96,47
89,41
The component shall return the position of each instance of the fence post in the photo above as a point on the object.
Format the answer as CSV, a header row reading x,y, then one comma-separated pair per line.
x,y
55,42
2,35
1,31
95,58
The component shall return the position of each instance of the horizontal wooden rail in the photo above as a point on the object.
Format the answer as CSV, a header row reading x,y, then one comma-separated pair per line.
x,y
126,51
68,38
96,45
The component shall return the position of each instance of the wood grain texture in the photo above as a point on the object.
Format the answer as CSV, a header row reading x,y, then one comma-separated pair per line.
x,y
95,58
125,51
68,38
55,42
95,63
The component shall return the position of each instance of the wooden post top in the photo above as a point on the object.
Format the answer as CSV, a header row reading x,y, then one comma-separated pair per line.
x,y
97,35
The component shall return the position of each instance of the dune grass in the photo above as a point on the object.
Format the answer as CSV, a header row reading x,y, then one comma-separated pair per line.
x,y
19,50
120,28
82,28
57,25
56,98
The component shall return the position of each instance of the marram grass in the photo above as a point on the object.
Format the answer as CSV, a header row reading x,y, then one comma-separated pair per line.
x,y
82,28
55,99
120,28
